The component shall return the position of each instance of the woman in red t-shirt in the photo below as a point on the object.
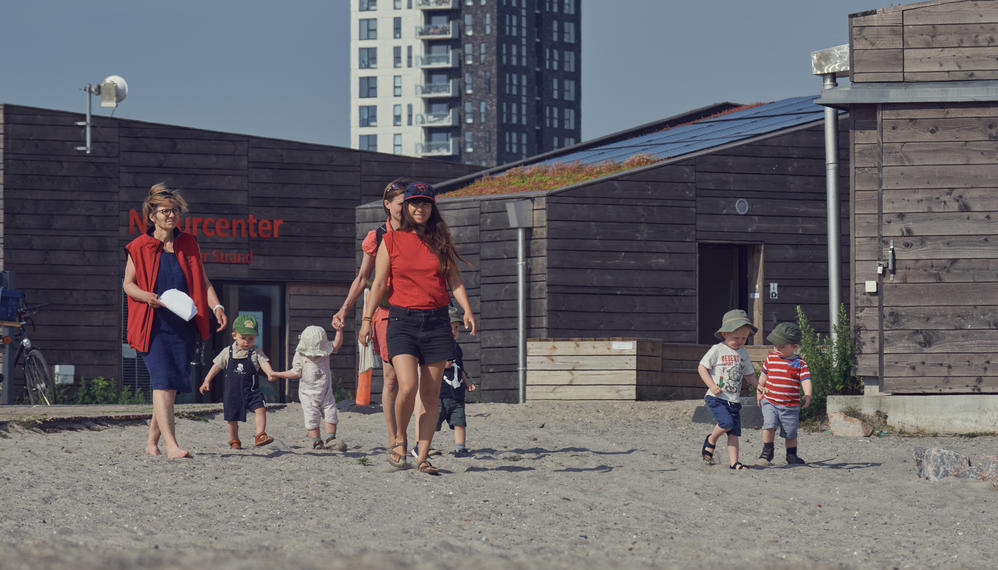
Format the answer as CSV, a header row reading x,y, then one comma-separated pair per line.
x,y
417,264
392,203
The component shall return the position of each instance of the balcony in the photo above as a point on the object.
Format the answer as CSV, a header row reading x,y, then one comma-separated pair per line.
x,y
445,119
435,4
445,148
437,31
438,61
437,90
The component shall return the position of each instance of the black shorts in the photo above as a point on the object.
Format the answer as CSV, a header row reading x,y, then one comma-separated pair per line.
x,y
423,333
453,412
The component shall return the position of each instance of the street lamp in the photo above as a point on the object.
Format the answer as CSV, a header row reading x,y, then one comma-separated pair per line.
x,y
521,214
112,91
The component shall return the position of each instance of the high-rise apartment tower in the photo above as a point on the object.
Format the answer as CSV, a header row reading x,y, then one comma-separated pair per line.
x,y
483,82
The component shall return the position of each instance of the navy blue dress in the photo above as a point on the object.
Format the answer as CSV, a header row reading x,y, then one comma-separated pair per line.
x,y
171,340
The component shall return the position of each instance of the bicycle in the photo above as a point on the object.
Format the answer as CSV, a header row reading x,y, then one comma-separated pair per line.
x,y
38,378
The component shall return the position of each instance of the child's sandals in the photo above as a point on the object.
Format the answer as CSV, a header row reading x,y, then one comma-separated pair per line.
x,y
262,439
707,453
425,466
235,444
317,443
397,460
738,466
334,444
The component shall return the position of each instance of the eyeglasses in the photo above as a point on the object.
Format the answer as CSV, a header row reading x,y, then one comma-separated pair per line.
x,y
166,212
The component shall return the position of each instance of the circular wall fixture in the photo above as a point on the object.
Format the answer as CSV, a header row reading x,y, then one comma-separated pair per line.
x,y
741,206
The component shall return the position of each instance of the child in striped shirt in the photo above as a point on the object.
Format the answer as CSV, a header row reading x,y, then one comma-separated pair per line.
x,y
784,374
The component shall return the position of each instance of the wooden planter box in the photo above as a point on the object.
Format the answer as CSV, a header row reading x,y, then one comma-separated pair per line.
x,y
616,369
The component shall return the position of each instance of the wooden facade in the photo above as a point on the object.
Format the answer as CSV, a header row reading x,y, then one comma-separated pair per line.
x,y
623,256
288,205
924,179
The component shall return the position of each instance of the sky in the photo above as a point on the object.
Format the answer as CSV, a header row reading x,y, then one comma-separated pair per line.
x,y
280,69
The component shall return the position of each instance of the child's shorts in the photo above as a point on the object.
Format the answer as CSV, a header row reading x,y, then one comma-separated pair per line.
x,y
453,412
728,414
235,405
787,417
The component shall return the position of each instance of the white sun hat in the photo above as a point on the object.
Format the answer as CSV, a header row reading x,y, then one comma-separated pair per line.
x,y
313,342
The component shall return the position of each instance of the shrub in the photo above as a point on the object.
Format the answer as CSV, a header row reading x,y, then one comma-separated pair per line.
x,y
99,390
831,364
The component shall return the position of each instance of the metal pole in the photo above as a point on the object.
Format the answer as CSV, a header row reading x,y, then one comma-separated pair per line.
x,y
89,90
521,309
832,206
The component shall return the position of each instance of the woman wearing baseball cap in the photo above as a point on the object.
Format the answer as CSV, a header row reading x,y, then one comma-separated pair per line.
x,y
418,263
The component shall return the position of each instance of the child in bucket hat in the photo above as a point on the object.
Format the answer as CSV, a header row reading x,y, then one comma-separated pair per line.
x,y
241,361
722,369
310,366
784,374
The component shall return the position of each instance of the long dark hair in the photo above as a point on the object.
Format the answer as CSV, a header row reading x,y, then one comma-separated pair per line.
x,y
436,236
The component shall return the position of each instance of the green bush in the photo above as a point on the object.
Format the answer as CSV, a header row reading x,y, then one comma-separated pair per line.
x,y
99,390
831,364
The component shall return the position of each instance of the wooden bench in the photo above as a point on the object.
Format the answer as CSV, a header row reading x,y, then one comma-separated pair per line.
x,y
616,369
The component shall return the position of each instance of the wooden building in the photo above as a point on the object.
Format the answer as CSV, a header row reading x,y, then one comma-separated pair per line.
x,y
924,152
274,218
731,213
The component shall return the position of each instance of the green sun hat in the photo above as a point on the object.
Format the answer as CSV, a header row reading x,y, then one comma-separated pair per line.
x,y
734,320
246,324
784,333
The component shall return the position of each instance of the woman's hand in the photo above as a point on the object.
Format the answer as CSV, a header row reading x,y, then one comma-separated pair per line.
x,y
151,299
223,320
364,334
469,323
339,320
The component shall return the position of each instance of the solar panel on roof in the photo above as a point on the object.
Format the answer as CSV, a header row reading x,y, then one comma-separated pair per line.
x,y
705,133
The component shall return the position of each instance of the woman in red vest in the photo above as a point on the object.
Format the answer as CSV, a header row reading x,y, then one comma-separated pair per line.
x,y
161,259
417,263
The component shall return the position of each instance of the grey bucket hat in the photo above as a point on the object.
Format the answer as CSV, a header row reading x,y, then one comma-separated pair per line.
x,y
784,333
734,320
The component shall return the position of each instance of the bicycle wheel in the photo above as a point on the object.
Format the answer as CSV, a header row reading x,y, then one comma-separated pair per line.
x,y
41,385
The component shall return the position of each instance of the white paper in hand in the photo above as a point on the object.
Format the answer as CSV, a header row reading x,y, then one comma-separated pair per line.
x,y
179,303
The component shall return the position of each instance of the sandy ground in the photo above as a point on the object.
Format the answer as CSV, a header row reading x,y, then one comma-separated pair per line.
x,y
550,485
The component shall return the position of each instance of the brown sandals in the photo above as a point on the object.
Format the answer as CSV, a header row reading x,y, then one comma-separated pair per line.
x,y
426,467
235,444
397,460
262,439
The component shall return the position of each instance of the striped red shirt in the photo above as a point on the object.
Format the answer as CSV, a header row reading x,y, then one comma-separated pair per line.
x,y
783,379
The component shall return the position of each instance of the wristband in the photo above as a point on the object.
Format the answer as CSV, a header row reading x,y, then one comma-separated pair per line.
x,y
217,307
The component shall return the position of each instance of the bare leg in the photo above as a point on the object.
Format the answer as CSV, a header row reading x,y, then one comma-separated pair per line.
x,y
791,443
233,430
769,435
407,375
313,433
732,449
716,434
429,395
459,435
162,409
330,429
152,443
260,416
389,395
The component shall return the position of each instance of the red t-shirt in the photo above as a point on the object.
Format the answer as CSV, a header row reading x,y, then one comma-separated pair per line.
x,y
416,282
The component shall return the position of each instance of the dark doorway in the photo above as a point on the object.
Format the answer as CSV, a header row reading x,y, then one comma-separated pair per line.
x,y
723,284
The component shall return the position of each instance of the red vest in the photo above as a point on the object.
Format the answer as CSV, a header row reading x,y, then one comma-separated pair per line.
x,y
145,252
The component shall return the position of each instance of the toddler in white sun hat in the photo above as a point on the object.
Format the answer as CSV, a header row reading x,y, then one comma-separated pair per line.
x,y
315,386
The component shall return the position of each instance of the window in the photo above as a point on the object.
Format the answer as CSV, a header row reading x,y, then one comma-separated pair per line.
x,y
368,87
368,116
469,53
368,29
568,86
481,112
488,23
467,25
569,61
569,119
555,121
523,114
569,7
469,113
368,142
504,53
488,141
569,32
467,82
397,143
397,56
368,5
469,2
514,113
398,86
409,114
408,56
547,116
396,115
554,88
368,58
468,142
396,27
554,30
556,142
488,82
398,5
481,52
512,54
